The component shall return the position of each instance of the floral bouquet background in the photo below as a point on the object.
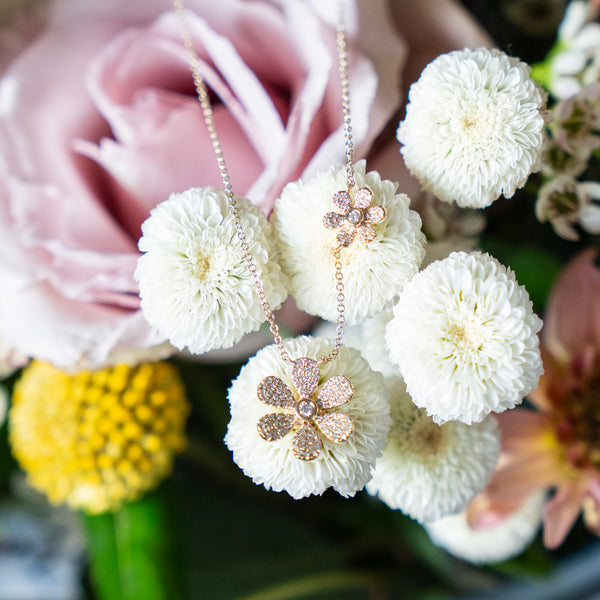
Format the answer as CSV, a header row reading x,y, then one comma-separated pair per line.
x,y
116,480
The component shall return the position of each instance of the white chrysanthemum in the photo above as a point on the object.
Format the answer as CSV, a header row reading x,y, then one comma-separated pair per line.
x,y
474,126
505,539
374,272
428,470
464,335
194,282
368,338
345,466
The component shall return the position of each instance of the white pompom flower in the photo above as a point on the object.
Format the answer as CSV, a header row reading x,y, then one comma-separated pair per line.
x,y
464,335
194,282
474,126
374,271
343,464
504,539
368,338
429,471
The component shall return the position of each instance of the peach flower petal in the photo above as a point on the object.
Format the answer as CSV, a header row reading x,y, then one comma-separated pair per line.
x,y
561,512
572,318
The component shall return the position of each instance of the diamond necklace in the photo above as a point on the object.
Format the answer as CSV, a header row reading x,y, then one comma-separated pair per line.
x,y
307,410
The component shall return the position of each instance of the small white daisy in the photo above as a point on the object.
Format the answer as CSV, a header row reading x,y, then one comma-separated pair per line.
x,y
474,126
503,540
428,470
374,271
343,462
464,335
194,282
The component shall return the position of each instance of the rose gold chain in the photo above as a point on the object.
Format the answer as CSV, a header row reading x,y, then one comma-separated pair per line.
x,y
342,55
207,111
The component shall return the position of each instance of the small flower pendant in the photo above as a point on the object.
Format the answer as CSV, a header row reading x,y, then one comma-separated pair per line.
x,y
355,217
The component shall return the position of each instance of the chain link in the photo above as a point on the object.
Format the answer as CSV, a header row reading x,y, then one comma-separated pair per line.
x,y
342,56
207,111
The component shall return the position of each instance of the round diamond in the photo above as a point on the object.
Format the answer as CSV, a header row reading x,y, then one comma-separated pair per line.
x,y
356,216
306,409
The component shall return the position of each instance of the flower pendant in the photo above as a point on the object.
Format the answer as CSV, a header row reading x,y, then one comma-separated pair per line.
x,y
355,217
304,410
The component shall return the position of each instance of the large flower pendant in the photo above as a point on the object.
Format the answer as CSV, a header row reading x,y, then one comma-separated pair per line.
x,y
306,409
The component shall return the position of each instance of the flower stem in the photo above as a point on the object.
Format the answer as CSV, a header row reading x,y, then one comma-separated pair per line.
x,y
324,582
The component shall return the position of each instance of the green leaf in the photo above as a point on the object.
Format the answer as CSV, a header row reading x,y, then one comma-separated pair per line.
x,y
535,268
543,72
132,551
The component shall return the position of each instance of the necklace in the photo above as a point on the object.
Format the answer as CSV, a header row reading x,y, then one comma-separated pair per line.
x,y
306,410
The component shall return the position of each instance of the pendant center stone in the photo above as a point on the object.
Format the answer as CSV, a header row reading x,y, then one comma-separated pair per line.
x,y
306,409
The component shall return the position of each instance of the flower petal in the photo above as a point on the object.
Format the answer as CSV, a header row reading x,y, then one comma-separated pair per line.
x,y
342,201
333,220
346,236
305,375
273,391
337,391
375,214
561,512
274,426
336,427
367,233
572,317
363,198
306,444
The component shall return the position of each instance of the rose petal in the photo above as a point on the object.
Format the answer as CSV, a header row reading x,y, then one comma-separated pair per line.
x,y
71,331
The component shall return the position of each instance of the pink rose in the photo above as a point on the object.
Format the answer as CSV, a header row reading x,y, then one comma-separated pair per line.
x,y
99,122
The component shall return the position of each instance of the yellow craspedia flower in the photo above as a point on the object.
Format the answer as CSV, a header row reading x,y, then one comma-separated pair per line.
x,y
96,439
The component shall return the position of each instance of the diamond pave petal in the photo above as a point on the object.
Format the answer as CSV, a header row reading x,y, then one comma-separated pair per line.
x,y
273,391
367,233
336,427
376,214
363,198
337,391
274,426
345,236
306,444
305,376
333,220
342,201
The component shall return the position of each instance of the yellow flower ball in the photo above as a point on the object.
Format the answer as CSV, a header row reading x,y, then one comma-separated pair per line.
x,y
96,439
